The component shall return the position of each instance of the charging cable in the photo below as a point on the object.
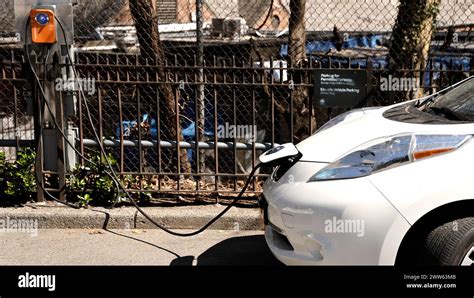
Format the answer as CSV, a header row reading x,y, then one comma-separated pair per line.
x,y
112,172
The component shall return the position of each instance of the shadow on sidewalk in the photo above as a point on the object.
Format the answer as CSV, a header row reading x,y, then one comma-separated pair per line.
x,y
236,251
104,227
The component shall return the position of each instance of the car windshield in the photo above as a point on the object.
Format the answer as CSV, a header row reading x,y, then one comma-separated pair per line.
x,y
456,104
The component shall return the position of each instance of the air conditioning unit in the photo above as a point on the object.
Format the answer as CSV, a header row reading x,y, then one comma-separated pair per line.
x,y
218,27
235,27
232,27
228,27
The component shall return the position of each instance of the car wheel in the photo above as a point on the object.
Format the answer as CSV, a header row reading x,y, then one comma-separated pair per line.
x,y
450,244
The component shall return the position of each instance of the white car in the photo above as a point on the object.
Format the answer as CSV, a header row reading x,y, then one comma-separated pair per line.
x,y
378,186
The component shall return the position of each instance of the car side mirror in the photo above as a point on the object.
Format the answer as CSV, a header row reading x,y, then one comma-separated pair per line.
x,y
279,154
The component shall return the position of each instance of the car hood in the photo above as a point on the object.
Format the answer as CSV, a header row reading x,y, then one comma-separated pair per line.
x,y
334,142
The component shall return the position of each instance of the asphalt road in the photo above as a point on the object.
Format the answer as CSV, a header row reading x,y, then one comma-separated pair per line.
x,y
134,247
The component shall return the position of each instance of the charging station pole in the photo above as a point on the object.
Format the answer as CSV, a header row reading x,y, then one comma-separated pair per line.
x,y
47,47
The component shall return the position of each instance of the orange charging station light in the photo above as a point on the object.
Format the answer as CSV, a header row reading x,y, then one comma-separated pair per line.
x,y
43,26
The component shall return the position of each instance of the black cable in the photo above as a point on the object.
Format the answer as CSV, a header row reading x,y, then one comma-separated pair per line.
x,y
42,105
270,9
99,142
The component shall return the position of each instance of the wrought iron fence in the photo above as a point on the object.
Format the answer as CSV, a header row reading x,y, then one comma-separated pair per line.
x,y
186,94
16,126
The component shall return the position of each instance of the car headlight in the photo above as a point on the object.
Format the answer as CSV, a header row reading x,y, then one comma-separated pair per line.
x,y
387,153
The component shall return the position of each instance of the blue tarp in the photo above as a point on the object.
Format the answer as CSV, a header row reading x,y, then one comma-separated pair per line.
x,y
365,41
381,61
187,123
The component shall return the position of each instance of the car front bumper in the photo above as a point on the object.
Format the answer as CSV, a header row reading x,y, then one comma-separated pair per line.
x,y
340,222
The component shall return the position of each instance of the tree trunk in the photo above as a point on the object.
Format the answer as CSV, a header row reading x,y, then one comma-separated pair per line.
x,y
297,43
146,23
297,55
411,38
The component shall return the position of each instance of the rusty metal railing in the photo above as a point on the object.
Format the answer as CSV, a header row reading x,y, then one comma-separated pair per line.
x,y
128,89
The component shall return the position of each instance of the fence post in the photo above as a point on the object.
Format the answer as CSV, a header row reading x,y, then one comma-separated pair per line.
x,y
200,106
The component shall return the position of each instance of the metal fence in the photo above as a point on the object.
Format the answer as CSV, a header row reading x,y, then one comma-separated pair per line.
x,y
166,98
16,120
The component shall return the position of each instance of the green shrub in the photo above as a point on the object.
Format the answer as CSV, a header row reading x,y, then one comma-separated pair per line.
x,y
17,178
91,185
134,182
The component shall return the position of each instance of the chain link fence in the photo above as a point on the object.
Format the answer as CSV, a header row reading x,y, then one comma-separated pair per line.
x,y
188,93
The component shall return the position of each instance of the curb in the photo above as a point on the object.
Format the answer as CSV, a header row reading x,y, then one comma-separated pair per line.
x,y
189,217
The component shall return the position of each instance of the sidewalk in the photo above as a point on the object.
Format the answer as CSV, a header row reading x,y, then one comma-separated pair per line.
x,y
187,217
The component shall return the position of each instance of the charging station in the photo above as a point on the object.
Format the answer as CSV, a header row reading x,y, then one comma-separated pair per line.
x,y
47,48
46,30
43,25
